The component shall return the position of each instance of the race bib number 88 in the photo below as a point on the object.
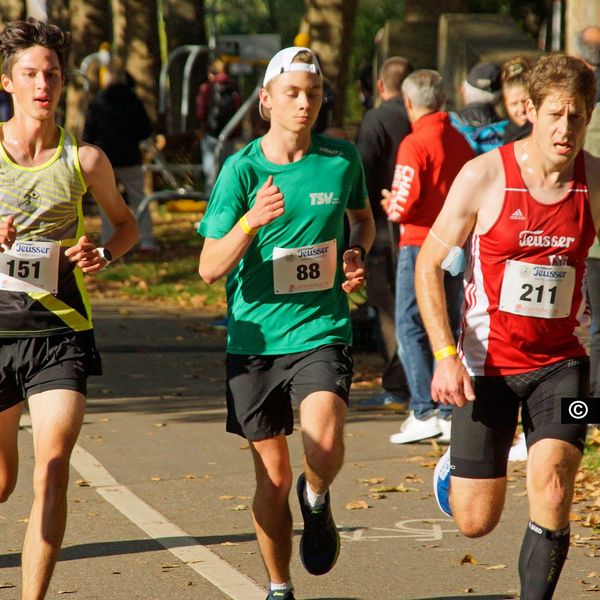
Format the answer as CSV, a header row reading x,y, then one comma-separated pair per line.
x,y
542,291
305,269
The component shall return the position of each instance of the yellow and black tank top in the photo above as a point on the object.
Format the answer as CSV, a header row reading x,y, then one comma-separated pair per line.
x,y
46,202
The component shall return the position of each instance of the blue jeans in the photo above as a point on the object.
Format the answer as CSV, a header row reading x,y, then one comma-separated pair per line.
x,y
593,290
414,350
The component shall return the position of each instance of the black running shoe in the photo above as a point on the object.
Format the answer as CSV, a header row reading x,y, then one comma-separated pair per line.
x,y
320,541
278,595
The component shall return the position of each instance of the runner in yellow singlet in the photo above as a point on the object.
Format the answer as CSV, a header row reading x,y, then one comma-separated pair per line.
x,y
47,345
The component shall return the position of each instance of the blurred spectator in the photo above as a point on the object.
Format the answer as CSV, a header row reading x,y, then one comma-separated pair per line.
x,y
515,93
428,160
117,122
217,101
587,47
381,131
365,87
478,120
5,106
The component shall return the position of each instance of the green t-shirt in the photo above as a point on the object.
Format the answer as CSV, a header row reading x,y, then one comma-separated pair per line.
x,y
317,190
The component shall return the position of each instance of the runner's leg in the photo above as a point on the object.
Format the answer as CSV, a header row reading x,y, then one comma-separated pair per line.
x,y
56,418
270,508
322,418
9,451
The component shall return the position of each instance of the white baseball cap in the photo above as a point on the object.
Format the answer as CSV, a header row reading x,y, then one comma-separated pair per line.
x,y
282,63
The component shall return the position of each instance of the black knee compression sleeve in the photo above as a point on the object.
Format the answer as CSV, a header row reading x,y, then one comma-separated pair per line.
x,y
542,557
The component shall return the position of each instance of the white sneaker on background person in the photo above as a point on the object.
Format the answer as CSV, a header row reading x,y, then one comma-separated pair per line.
x,y
445,426
415,430
518,451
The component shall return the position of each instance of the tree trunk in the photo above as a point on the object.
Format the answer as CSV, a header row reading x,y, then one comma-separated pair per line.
x,y
90,25
136,42
331,23
58,13
11,10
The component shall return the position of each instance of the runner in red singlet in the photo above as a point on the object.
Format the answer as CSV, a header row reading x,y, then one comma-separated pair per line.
x,y
529,212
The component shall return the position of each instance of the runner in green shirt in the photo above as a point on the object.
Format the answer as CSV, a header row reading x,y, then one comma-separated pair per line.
x,y
275,227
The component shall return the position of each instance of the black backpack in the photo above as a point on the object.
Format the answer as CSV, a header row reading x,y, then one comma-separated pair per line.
x,y
224,103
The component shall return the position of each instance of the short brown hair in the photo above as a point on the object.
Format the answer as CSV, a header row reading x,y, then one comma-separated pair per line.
x,y
18,36
394,71
515,71
566,73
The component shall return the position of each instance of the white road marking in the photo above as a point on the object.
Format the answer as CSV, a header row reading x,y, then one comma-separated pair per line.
x,y
206,563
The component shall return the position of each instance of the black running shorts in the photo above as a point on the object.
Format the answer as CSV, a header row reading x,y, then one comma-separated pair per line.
x,y
261,388
29,366
483,430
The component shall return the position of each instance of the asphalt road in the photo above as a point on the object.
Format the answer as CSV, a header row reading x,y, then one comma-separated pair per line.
x,y
160,495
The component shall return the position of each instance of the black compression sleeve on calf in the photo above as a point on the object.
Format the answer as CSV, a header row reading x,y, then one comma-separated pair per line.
x,y
542,557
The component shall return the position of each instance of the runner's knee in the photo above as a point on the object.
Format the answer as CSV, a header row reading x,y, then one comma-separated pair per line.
x,y
51,478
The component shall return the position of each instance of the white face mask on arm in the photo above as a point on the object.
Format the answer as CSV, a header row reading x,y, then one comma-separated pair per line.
x,y
455,261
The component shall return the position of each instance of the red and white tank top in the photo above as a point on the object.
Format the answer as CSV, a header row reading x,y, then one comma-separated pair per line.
x,y
525,304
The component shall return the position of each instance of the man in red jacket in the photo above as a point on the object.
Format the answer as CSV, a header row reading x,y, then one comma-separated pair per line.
x,y
428,161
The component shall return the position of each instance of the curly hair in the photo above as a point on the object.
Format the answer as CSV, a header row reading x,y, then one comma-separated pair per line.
x,y
18,36
563,72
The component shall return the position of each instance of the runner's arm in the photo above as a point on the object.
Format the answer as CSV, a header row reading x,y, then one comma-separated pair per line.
x,y
362,233
451,383
99,177
219,256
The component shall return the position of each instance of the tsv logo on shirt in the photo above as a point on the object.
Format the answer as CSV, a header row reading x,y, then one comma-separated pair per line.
x,y
319,198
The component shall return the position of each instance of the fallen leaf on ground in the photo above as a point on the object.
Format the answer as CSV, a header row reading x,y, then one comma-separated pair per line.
x,y
239,507
6,586
357,505
496,568
156,478
467,559
160,424
191,476
226,497
372,480
82,483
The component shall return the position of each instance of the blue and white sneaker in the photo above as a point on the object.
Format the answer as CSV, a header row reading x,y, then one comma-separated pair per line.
x,y
441,483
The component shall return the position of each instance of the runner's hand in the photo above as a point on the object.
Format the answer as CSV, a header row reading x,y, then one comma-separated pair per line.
x,y
8,233
354,270
451,384
84,255
268,205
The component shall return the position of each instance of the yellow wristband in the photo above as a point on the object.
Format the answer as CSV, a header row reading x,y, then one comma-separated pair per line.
x,y
445,352
246,227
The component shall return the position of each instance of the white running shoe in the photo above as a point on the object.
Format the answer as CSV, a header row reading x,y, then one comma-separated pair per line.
x,y
414,430
445,426
518,451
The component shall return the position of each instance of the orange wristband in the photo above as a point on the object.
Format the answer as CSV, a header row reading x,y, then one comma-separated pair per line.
x,y
444,352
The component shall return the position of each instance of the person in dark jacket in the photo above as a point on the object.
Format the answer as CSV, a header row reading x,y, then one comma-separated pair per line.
x,y
381,131
217,101
117,122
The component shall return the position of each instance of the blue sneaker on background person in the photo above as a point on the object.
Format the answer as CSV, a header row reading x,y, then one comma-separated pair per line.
x,y
441,483
220,323
386,401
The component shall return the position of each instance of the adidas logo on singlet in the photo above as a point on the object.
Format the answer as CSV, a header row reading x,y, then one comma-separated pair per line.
x,y
517,215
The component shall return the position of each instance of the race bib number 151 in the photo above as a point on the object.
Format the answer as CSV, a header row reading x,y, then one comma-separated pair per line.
x,y
30,267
